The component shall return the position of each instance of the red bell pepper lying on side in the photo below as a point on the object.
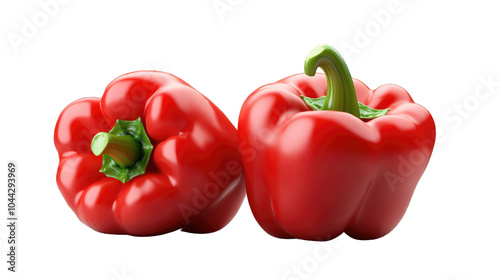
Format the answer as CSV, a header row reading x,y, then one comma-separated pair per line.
x,y
170,161
317,166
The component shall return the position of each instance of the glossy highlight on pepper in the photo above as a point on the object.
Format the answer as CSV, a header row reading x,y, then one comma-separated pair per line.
x,y
151,156
324,154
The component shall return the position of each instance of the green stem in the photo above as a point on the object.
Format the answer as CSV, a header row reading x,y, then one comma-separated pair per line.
x,y
122,148
340,93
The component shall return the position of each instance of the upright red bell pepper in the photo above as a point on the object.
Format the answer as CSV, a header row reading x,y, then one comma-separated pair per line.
x,y
319,163
170,162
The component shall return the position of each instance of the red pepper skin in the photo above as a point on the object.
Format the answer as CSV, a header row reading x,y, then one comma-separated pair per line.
x,y
194,180
316,174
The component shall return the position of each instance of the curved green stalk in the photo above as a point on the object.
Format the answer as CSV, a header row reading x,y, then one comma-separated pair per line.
x,y
340,94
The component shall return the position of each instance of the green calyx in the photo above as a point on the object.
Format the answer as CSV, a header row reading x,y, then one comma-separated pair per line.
x,y
340,93
365,112
125,150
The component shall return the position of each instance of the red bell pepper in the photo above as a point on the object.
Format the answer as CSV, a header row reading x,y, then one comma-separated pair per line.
x,y
319,163
170,162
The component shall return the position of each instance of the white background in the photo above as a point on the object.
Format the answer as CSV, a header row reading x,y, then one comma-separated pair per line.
x,y
438,51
